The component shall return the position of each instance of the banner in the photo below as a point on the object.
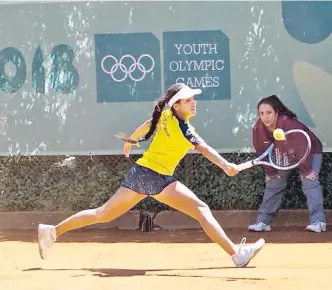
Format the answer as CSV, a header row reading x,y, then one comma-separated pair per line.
x,y
74,74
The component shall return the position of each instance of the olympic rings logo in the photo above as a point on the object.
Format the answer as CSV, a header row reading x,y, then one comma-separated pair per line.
x,y
136,65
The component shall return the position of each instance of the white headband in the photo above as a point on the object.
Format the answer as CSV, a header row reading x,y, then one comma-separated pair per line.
x,y
184,93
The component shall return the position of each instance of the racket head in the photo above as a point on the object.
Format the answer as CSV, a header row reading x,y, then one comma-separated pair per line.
x,y
127,139
291,152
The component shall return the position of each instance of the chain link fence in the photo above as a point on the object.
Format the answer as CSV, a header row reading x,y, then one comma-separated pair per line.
x,y
63,183
57,183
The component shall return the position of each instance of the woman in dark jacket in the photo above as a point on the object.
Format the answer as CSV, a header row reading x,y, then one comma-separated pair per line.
x,y
274,114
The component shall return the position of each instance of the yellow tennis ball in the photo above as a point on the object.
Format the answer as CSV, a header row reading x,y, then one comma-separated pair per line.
x,y
279,134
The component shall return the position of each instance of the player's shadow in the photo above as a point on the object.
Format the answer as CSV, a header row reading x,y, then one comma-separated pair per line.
x,y
105,273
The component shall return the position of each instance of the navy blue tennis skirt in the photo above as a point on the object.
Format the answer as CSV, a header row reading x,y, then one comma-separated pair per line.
x,y
146,181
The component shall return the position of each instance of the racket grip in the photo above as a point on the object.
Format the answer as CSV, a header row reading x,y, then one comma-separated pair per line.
x,y
245,165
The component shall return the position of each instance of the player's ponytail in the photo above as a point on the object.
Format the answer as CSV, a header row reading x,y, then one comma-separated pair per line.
x,y
156,114
158,109
278,106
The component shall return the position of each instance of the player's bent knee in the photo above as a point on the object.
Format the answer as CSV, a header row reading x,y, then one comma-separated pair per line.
x,y
202,211
101,215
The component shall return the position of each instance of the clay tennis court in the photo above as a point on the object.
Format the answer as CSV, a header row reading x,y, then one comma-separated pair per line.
x,y
114,259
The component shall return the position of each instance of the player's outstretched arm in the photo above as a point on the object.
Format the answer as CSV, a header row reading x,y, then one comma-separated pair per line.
x,y
212,155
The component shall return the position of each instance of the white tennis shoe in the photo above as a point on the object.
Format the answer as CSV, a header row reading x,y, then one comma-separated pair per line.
x,y
46,238
317,227
259,227
246,253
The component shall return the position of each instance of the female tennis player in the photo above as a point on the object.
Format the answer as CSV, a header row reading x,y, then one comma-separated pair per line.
x,y
151,175
274,114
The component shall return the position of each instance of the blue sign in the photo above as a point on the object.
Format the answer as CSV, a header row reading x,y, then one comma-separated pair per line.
x,y
127,67
201,60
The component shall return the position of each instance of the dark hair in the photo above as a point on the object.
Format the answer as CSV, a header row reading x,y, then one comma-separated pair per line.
x,y
278,106
159,107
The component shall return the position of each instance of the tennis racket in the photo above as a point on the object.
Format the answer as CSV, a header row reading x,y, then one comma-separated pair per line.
x,y
127,139
283,155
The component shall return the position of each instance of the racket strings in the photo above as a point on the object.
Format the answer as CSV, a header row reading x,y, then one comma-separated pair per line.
x,y
289,152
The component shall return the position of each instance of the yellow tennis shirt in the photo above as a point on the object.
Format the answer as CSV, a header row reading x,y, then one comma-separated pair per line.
x,y
172,141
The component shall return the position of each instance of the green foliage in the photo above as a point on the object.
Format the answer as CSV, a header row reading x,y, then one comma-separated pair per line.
x,y
47,183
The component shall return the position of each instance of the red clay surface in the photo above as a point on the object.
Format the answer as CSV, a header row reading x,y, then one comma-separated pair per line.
x,y
113,259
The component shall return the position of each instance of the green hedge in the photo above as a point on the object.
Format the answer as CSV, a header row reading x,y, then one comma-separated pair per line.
x,y
44,183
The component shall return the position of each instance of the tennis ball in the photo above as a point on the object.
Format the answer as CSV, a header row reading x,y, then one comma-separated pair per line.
x,y
279,134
